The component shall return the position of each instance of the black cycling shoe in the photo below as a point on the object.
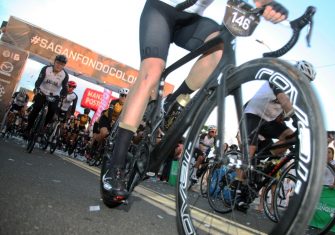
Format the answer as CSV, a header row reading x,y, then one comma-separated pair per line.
x,y
114,183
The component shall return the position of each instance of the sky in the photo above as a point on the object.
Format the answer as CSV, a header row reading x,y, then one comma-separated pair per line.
x,y
111,28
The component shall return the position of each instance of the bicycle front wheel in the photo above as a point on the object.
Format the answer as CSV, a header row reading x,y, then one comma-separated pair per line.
x,y
194,216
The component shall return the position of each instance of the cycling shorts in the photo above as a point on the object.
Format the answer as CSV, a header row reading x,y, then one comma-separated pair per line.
x,y
161,25
96,129
258,126
16,107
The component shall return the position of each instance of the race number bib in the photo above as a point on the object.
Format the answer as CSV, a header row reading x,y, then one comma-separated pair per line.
x,y
238,20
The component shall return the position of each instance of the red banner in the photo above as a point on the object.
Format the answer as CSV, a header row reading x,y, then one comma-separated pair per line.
x,y
91,99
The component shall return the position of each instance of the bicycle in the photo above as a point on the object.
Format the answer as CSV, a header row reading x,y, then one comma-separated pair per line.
x,y
81,143
228,81
53,136
37,129
13,125
222,193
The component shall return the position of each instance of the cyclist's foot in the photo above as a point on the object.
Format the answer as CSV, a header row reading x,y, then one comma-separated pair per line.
x,y
242,206
113,181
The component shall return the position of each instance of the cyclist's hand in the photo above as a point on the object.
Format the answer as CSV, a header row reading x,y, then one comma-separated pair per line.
x,y
275,12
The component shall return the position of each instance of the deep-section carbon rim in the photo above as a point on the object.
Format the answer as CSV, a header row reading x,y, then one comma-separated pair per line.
x,y
312,145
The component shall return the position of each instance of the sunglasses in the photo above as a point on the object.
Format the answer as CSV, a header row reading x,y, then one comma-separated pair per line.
x,y
72,87
123,95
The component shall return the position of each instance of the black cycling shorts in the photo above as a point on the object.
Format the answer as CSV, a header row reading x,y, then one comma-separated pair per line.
x,y
96,129
269,130
161,25
16,107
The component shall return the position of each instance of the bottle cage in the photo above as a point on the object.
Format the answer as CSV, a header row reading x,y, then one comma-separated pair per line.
x,y
238,18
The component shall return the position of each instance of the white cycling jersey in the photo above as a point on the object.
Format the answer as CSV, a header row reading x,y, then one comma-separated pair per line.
x,y
198,8
263,104
52,83
68,101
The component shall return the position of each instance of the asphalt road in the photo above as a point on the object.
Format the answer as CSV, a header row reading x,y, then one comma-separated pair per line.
x,y
42,193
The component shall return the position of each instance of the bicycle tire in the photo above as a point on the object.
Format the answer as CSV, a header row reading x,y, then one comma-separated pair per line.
x,y
311,132
55,141
203,182
278,194
216,191
35,131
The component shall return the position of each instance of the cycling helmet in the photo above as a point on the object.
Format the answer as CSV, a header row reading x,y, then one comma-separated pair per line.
x,y
212,128
72,84
123,91
87,111
61,58
307,68
22,91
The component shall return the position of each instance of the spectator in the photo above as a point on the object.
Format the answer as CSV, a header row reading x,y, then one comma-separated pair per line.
x,y
174,156
329,178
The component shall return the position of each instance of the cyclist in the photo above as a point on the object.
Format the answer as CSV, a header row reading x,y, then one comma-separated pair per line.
x,y
161,24
18,104
206,142
52,80
108,117
70,100
265,113
265,109
80,124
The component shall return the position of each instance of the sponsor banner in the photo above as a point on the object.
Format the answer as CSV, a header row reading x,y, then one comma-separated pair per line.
x,y
82,61
106,98
12,61
92,99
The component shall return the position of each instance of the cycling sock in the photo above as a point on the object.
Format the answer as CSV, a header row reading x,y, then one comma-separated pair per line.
x,y
122,143
183,89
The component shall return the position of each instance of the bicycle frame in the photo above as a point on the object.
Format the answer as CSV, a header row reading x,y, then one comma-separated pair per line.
x,y
184,121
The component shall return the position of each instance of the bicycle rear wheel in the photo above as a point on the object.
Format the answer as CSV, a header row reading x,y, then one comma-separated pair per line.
x,y
194,216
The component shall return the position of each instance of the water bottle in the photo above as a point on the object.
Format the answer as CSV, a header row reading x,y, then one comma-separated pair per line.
x,y
176,109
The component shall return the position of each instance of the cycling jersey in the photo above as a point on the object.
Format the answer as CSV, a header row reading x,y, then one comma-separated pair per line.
x,y
49,82
198,8
206,143
264,104
70,99
114,110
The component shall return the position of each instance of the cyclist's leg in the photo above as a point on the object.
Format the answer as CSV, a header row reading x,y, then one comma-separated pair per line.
x,y
130,118
200,157
276,130
52,110
37,106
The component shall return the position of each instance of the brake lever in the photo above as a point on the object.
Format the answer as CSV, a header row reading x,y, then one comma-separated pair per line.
x,y
309,33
